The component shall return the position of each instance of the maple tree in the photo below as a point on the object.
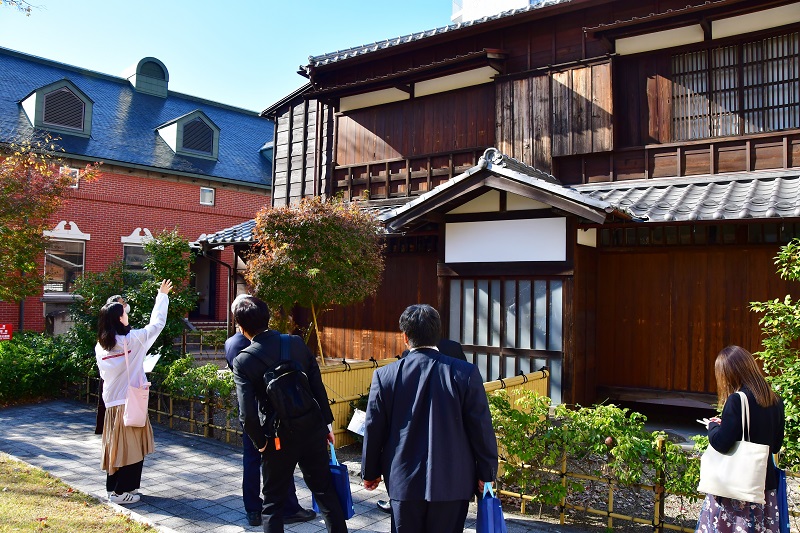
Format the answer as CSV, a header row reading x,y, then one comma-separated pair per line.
x,y
315,254
32,188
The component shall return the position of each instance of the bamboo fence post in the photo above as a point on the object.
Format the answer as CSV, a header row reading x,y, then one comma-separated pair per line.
x,y
159,404
207,416
610,503
171,412
563,484
659,489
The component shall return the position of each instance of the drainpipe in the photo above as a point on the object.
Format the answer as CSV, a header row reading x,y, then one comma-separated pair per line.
x,y
230,276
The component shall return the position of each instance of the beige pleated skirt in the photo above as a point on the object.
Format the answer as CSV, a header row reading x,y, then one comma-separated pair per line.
x,y
123,445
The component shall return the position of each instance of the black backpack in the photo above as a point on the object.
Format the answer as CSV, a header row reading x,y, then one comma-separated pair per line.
x,y
294,408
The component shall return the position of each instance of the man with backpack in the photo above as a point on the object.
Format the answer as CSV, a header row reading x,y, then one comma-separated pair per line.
x,y
291,427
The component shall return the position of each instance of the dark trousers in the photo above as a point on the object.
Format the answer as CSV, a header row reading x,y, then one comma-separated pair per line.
x,y
125,479
420,516
251,482
311,454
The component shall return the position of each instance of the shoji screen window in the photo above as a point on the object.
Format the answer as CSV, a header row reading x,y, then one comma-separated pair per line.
x,y
508,326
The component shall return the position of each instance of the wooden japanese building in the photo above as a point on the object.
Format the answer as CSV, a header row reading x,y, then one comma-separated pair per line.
x,y
644,168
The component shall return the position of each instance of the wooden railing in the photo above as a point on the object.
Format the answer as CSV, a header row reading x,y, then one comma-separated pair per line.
x,y
401,177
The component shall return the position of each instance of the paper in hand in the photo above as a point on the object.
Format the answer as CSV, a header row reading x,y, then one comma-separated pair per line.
x,y
356,424
150,361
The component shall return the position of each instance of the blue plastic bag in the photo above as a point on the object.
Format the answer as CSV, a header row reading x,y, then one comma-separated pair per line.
x,y
782,496
490,513
340,478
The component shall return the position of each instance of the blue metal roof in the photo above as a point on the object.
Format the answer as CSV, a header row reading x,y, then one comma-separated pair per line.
x,y
124,123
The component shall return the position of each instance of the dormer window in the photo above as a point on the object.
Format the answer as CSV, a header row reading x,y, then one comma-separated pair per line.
x,y
198,137
193,134
60,107
63,108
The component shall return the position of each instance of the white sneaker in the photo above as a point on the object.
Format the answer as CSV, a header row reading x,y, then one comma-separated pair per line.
x,y
123,499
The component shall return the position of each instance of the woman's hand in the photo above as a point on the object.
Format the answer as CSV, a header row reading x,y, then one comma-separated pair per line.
x,y
166,286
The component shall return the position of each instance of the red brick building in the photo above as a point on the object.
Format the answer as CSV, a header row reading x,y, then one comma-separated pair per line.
x,y
169,161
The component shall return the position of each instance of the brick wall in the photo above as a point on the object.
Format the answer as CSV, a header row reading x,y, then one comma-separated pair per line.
x,y
118,202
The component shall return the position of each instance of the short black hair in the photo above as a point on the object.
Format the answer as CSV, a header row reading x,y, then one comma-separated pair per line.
x,y
252,314
422,324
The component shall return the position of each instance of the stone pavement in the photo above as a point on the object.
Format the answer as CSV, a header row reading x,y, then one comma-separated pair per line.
x,y
190,484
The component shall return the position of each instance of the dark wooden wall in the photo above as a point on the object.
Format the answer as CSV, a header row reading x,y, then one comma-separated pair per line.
x,y
553,114
447,122
663,315
303,144
370,329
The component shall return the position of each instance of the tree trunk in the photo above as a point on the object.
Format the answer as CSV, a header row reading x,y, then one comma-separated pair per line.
x,y
316,332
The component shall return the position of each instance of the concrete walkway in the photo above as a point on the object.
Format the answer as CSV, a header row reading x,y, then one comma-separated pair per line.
x,y
190,484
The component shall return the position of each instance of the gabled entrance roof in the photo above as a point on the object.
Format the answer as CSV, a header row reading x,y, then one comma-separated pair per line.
x,y
499,172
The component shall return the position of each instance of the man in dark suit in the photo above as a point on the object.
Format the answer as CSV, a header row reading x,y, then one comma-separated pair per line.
x,y
251,459
445,347
428,432
282,452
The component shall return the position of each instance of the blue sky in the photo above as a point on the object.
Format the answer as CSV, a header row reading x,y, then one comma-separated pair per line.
x,y
243,53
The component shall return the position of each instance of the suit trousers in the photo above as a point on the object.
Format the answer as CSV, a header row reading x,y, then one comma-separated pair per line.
x,y
277,467
420,516
251,482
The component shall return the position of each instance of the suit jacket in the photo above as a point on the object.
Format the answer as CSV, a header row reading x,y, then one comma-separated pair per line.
x,y
233,345
428,430
447,347
248,374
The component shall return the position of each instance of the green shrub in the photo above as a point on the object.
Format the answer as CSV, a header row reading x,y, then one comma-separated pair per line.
x,y
37,365
780,356
185,380
604,441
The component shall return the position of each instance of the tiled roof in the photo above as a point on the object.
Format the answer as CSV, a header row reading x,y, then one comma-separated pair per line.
x,y
495,163
124,122
333,57
719,197
243,233
238,234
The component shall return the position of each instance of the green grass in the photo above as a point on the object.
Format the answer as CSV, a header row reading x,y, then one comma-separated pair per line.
x,y
33,500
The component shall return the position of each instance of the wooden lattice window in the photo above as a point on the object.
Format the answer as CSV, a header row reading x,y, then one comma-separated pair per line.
x,y
736,90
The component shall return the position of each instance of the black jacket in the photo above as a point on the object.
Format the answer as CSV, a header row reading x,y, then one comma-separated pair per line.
x,y
766,427
248,374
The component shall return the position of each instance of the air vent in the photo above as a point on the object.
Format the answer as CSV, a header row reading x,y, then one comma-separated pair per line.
x,y
198,136
63,108
153,70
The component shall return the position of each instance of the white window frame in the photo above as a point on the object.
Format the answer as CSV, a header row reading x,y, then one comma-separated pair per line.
x,y
213,195
66,286
74,173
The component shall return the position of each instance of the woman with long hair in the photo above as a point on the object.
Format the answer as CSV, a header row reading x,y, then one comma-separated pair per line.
x,y
120,353
736,370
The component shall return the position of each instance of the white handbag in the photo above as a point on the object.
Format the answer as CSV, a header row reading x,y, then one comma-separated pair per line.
x,y
136,400
740,473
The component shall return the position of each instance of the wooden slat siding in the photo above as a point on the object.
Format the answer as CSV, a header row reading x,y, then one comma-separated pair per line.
x,y
504,107
541,117
664,330
408,278
521,125
602,108
561,98
581,107
328,150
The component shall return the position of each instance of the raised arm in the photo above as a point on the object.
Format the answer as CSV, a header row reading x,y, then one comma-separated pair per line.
x,y
158,318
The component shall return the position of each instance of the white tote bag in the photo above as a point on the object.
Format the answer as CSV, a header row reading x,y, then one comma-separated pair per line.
x,y
136,400
740,473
